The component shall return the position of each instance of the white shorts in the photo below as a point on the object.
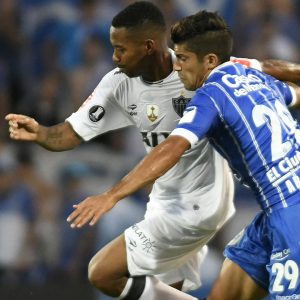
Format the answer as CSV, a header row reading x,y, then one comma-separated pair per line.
x,y
159,246
172,246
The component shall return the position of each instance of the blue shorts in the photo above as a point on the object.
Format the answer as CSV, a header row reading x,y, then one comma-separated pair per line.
x,y
268,249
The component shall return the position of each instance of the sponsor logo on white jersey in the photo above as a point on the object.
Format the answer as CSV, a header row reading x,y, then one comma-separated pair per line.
x,y
132,109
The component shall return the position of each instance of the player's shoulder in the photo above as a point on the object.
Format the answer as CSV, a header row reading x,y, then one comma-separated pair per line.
x,y
219,80
247,62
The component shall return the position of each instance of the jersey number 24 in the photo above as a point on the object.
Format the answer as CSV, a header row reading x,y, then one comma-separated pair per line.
x,y
278,120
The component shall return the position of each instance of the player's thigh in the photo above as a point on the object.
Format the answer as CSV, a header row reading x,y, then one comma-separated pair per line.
x,y
234,283
110,261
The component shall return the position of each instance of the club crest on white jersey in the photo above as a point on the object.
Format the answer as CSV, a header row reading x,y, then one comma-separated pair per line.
x,y
179,104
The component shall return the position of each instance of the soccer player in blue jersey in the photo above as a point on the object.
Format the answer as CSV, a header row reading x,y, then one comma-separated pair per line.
x,y
244,114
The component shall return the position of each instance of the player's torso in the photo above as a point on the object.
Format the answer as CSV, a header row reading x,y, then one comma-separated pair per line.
x,y
258,136
155,107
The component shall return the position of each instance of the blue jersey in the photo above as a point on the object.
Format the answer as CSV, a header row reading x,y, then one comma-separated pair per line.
x,y
244,114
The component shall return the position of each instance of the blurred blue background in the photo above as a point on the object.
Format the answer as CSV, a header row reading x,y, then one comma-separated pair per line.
x,y
52,55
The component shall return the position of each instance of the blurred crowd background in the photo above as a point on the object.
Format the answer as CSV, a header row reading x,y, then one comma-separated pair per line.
x,y
52,55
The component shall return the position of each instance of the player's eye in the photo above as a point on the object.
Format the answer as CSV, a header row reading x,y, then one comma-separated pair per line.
x,y
119,50
181,58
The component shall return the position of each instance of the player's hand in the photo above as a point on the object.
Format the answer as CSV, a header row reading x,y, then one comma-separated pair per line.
x,y
90,210
22,127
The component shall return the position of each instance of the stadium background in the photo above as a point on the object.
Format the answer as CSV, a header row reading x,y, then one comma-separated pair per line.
x,y
52,55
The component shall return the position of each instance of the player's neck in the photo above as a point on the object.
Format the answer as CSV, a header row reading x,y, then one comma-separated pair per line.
x,y
159,67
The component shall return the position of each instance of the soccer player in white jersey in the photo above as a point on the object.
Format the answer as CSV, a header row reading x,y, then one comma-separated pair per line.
x,y
188,204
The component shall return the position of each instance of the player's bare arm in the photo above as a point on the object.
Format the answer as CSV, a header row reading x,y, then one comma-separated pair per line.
x,y
297,92
59,137
282,70
155,164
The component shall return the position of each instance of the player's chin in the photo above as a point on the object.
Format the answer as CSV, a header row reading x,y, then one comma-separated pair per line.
x,y
127,72
189,87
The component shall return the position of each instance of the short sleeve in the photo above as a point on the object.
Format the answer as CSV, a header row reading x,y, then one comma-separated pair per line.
x,y
101,112
288,93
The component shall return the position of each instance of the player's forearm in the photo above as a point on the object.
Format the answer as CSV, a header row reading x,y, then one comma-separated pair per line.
x,y
297,93
60,137
162,158
282,70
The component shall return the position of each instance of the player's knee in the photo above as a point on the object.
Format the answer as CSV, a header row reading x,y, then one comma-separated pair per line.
x,y
101,278
95,275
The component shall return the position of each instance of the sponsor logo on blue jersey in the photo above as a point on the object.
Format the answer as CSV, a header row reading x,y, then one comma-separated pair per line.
x,y
242,85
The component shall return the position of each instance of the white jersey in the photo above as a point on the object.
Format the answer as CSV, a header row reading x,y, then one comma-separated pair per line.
x,y
155,109
190,203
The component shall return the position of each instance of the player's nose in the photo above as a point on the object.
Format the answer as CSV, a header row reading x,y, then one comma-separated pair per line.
x,y
176,66
115,58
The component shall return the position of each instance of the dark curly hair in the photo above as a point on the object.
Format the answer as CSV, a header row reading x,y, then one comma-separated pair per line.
x,y
204,33
138,15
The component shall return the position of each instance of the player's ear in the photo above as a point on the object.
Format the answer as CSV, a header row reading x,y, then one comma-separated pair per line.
x,y
149,44
211,60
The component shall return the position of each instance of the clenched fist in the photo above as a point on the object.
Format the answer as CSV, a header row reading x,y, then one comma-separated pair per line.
x,y
22,127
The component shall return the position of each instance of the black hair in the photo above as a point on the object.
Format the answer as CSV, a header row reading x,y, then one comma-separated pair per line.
x,y
204,33
139,14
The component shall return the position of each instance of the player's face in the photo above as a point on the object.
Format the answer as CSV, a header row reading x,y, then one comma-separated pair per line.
x,y
191,70
129,51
